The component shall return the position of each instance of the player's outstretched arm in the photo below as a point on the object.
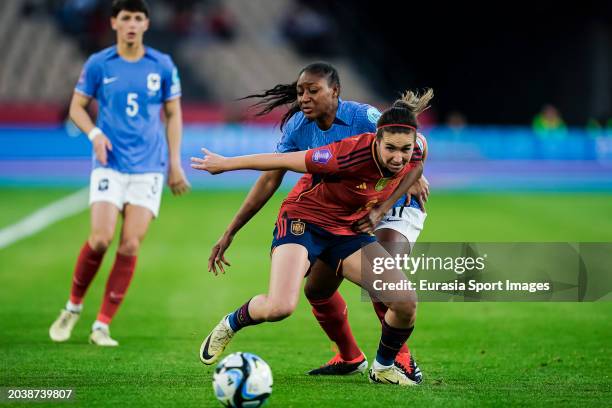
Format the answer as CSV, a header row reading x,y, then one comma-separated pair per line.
x,y
215,164
265,186
79,115
369,222
177,181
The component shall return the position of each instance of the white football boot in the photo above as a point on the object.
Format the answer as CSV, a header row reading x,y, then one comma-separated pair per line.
x,y
61,329
101,337
214,344
391,375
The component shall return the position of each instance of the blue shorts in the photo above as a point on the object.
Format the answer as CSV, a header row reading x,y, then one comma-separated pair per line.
x,y
319,243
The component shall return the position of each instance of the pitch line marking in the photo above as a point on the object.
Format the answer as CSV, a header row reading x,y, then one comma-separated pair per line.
x,y
43,217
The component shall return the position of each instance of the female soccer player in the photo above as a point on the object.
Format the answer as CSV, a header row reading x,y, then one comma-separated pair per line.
x,y
346,179
318,116
131,83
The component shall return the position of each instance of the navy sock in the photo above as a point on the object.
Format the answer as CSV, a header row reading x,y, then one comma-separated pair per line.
x,y
241,318
391,340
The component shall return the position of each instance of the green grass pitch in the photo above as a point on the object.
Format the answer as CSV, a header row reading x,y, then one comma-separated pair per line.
x,y
486,354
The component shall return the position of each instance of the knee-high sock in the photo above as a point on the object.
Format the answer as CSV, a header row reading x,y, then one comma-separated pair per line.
x,y
332,315
381,309
391,340
85,269
241,318
116,286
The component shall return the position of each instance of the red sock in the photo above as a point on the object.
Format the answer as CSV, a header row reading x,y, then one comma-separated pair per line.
x,y
380,308
332,315
86,267
116,286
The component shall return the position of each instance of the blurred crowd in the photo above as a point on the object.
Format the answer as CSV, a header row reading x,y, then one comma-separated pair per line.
x,y
548,123
309,29
87,20
306,25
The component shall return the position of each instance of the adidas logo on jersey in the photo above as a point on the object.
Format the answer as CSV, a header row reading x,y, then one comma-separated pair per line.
x,y
362,186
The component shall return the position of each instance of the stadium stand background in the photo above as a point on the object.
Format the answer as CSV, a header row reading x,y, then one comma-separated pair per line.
x,y
494,69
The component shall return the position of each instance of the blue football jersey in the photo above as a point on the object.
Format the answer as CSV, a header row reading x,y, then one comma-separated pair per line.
x,y
352,118
130,95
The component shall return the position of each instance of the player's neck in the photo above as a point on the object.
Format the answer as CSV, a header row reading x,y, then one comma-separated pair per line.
x,y
326,121
130,52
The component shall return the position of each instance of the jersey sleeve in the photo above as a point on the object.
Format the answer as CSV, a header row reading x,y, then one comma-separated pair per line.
x,y
420,149
335,158
287,143
171,83
368,117
90,79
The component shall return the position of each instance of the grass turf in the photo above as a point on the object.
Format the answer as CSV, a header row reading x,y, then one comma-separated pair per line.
x,y
471,353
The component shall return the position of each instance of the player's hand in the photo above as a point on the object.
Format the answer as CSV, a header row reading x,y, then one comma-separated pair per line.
x,y
212,162
101,144
217,255
367,224
420,191
177,181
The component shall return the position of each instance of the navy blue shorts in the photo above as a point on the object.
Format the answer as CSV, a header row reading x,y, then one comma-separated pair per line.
x,y
319,243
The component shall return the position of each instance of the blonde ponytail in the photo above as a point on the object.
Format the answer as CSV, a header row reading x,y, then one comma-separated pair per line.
x,y
414,101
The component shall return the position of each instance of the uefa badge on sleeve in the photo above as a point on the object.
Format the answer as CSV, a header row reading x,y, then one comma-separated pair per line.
x,y
373,114
321,156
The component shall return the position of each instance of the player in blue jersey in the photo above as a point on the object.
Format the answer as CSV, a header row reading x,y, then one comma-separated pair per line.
x,y
131,84
318,116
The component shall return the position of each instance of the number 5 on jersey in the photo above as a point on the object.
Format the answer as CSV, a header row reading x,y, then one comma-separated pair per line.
x,y
132,105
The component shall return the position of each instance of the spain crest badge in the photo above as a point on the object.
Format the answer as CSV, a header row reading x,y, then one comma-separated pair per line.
x,y
298,227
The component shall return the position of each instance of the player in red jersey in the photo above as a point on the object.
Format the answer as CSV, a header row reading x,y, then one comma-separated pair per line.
x,y
344,181
317,116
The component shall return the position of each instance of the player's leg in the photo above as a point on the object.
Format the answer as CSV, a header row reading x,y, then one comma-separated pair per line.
x,y
136,220
103,221
395,244
142,197
330,310
398,323
398,232
289,265
105,200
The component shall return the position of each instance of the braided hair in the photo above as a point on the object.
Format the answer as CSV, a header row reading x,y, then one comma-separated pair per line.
x,y
286,94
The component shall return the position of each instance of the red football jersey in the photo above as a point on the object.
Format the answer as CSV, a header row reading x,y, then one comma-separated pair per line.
x,y
344,181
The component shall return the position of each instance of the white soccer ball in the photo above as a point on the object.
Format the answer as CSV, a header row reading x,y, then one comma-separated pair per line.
x,y
242,380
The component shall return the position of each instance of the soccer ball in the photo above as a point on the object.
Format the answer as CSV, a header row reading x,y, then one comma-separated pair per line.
x,y
242,380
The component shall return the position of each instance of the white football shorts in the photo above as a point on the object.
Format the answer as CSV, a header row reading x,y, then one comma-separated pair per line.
x,y
408,221
109,185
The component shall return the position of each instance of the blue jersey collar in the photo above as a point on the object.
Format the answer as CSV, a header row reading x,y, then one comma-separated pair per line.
x,y
115,53
343,117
